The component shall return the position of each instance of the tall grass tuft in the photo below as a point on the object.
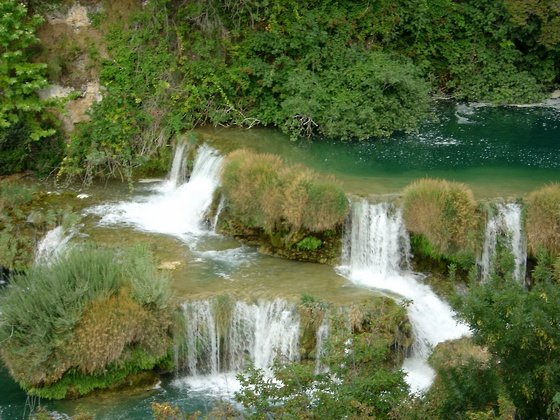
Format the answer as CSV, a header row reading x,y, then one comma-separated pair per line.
x,y
444,212
543,220
81,314
264,192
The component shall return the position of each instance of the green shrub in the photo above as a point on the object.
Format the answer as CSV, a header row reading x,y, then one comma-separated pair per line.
x,y
445,213
466,381
543,219
309,243
81,315
263,192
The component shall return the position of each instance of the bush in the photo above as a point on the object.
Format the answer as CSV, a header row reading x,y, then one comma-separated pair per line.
x,y
309,243
466,380
82,314
543,219
445,213
263,192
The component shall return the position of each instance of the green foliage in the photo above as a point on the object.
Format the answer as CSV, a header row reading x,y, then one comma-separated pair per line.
x,y
445,214
82,312
302,67
137,115
520,330
466,381
322,68
474,50
309,243
26,133
543,220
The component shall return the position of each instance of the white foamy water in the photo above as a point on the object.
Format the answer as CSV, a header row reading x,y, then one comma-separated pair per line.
x,y
53,245
173,210
220,342
376,255
505,224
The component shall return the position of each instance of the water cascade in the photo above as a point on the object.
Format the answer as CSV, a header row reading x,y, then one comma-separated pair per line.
x,y
376,254
505,226
52,245
178,172
173,210
221,339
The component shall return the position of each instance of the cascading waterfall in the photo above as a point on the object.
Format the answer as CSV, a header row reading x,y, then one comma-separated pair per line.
x,y
376,254
505,224
53,244
178,171
219,346
174,210
258,332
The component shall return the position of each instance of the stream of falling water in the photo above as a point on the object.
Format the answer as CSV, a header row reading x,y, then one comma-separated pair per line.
x,y
376,255
505,223
176,210
221,342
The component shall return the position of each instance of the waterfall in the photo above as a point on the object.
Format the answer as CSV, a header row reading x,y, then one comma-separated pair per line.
x,y
505,225
376,254
256,332
52,245
174,210
202,339
178,171
221,205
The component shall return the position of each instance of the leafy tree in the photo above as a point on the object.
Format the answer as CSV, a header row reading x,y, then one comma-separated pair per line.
x,y
521,330
22,117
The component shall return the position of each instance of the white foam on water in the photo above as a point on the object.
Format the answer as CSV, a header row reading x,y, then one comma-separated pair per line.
x,y
377,255
177,211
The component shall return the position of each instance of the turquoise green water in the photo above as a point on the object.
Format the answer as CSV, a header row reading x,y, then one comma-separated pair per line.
x,y
130,406
497,151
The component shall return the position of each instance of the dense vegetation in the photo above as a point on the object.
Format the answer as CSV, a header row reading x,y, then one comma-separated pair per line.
x,y
327,69
27,136
87,321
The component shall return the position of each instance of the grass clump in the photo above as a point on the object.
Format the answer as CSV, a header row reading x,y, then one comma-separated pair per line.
x,y
445,214
543,220
91,312
264,192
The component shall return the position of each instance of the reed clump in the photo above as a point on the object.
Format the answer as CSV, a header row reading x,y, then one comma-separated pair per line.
x,y
92,312
543,220
444,213
263,192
